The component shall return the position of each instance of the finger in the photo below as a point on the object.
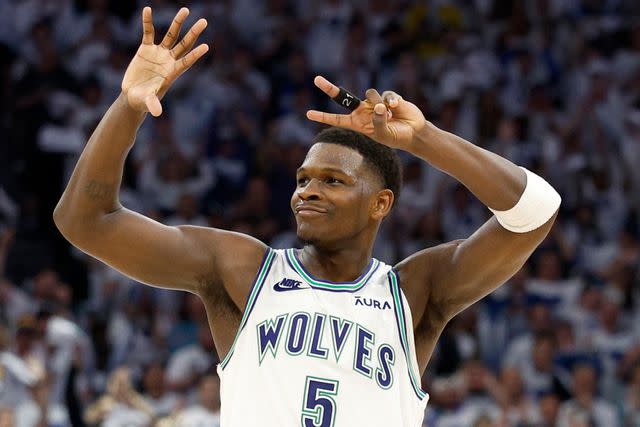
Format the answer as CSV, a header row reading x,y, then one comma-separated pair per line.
x,y
380,120
326,86
189,59
174,30
189,39
148,32
391,99
153,105
373,96
339,120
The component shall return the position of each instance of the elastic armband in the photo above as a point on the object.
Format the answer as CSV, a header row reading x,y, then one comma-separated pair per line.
x,y
536,206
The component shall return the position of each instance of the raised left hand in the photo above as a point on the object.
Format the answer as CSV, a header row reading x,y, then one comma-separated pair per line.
x,y
155,67
387,118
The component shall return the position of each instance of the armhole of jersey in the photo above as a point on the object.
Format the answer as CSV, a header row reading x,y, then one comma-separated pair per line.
x,y
403,330
258,281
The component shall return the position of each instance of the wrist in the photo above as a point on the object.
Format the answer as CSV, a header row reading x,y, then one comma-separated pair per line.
x,y
422,135
123,104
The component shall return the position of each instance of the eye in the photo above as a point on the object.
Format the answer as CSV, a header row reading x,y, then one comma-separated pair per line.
x,y
332,180
302,180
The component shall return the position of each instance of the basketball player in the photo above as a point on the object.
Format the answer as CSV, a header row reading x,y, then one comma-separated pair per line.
x,y
326,335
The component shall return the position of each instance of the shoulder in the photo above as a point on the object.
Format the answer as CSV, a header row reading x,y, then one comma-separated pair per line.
x,y
418,274
421,263
222,241
228,253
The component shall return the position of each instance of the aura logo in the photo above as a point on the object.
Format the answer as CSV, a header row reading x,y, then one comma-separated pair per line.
x,y
288,285
373,303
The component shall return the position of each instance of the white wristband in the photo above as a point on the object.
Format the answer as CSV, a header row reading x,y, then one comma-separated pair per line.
x,y
536,206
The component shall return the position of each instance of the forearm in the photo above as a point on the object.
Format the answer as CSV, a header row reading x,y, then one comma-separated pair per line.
x,y
92,191
494,180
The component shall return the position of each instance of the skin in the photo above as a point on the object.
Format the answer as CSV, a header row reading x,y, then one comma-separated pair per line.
x,y
349,199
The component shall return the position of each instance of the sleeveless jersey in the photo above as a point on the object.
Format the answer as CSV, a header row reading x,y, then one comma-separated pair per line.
x,y
315,353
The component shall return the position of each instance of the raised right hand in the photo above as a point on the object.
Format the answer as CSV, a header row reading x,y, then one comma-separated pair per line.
x,y
387,119
154,67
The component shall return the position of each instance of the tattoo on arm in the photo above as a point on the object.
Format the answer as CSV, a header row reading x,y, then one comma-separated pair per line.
x,y
100,190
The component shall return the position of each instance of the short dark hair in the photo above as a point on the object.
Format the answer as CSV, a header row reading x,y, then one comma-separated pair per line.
x,y
383,160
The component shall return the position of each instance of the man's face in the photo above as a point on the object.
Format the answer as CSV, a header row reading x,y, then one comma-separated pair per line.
x,y
335,193
154,379
584,379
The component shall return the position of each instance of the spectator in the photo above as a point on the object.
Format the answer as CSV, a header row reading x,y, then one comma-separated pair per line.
x,y
520,349
121,405
554,88
29,346
631,405
547,411
611,339
540,375
39,409
16,376
187,212
163,180
14,303
548,285
191,362
7,417
207,410
518,407
585,406
155,391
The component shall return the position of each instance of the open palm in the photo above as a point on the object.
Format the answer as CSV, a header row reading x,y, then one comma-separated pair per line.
x,y
155,67
387,118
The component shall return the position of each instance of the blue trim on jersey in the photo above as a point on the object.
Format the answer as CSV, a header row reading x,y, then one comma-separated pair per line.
x,y
400,323
293,252
404,317
256,287
326,285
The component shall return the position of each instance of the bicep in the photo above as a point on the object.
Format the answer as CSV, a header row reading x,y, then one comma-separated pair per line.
x,y
183,257
472,268
444,280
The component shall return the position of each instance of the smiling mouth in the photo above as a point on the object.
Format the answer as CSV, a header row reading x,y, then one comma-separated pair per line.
x,y
308,212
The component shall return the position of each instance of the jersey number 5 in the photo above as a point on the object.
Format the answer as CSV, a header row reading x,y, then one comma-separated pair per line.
x,y
319,407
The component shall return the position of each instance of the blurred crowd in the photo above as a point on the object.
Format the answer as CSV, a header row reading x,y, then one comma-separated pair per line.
x,y
553,85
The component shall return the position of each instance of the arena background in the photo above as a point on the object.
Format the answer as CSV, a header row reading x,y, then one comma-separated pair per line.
x,y
553,85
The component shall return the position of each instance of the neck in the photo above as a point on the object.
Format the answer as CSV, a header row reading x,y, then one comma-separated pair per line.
x,y
335,265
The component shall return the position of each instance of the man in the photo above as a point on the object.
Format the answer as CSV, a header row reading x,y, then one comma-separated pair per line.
x,y
206,412
585,405
323,333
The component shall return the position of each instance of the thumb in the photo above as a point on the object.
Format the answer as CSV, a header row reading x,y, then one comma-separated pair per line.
x,y
380,121
153,105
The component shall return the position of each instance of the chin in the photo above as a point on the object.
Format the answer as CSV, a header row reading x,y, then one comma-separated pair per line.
x,y
307,242
309,236
317,239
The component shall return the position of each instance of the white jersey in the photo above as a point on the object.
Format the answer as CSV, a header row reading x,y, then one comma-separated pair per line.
x,y
314,353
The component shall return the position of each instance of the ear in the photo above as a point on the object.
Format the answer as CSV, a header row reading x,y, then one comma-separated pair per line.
x,y
382,204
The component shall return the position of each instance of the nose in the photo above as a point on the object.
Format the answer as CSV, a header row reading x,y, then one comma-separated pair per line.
x,y
310,191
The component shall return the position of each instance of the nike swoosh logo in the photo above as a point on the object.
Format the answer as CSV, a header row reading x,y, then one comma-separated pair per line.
x,y
279,288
